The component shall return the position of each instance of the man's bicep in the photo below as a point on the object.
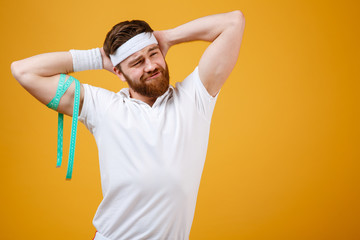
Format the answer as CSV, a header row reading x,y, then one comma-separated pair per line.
x,y
66,104
220,57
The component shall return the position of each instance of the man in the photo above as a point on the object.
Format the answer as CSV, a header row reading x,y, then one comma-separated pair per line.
x,y
152,138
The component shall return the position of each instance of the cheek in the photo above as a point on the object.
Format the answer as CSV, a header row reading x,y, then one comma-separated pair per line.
x,y
135,73
161,62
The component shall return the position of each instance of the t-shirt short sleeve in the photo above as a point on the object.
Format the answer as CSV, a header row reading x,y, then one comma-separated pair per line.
x,y
96,101
195,89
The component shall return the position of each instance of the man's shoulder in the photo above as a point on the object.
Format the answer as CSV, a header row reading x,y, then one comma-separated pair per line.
x,y
188,80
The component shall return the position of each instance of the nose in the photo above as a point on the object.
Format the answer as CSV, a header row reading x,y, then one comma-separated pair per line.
x,y
149,65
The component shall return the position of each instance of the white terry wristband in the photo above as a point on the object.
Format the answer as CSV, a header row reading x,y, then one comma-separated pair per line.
x,y
86,59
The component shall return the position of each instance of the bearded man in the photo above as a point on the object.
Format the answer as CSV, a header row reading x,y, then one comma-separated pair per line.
x,y
152,137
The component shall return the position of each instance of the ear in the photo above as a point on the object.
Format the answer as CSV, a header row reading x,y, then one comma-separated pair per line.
x,y
119,74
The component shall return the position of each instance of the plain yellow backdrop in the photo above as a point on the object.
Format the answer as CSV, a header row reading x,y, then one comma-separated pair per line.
x,y
284,149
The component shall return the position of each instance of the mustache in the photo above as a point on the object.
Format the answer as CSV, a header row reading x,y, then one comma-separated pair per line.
x,y
147,75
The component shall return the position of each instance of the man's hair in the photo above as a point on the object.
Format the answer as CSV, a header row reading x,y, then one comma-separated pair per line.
x,y
121,33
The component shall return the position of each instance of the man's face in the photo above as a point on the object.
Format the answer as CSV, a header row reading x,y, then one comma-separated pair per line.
x,y
146,72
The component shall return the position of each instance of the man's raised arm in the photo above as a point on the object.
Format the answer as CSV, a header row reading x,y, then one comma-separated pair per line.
x,y
40,74
224,30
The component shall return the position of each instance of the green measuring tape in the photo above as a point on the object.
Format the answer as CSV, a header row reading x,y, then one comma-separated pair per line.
x,y
53,104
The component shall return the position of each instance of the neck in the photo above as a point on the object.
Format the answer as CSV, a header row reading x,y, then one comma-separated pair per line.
x,y
149,100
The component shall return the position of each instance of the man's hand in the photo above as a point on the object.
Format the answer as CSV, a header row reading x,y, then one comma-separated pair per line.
x,y
107,64
164,43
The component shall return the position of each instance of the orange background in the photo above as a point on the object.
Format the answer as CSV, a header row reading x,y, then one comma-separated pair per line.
x,y
284,150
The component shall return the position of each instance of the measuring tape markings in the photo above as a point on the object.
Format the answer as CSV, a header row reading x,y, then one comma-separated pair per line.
x,y
53,104
73,129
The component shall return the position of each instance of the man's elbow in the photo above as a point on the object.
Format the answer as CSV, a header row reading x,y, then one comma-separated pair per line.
x,y
16,69
237,19
19,72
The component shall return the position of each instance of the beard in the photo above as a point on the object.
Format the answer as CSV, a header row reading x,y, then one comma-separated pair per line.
x,y
152,88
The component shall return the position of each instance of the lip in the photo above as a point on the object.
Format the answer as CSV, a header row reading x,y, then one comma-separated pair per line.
x,y
154,76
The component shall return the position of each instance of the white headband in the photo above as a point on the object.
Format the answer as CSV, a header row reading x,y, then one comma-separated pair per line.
x,y
133,45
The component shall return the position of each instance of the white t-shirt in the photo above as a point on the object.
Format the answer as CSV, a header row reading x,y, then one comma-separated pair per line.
x,y
151,159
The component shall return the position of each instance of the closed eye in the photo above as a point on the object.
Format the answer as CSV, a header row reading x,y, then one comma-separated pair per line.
x,y
137,63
